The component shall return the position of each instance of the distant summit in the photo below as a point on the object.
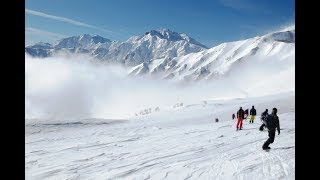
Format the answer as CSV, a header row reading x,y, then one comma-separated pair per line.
x,y
154,44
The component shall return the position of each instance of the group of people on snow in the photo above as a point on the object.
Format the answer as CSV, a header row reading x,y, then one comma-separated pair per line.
x,y
269,121
241,115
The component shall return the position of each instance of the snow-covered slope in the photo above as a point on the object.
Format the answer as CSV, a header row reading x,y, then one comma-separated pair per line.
x,y
271,53
182,143
155,44
85,41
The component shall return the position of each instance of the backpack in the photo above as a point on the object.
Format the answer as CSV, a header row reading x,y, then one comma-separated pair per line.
x,y
270,122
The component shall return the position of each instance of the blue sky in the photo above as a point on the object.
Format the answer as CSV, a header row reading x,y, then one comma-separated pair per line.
x,y
208,21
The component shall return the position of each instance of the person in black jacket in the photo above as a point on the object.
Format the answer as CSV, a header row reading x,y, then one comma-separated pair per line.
x,y
272,123
246,113
263,118
240,116
253,113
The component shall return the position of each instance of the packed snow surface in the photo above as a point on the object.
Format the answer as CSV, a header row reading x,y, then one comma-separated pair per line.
x,y
178,143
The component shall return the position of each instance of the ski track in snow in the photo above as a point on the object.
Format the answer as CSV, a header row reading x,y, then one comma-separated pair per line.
x,y
159,147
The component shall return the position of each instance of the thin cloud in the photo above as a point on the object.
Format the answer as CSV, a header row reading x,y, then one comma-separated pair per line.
x,y
42,32
34,35
63,19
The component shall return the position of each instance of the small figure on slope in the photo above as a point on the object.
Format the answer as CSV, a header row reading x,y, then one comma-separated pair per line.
x,y
253,113
240,116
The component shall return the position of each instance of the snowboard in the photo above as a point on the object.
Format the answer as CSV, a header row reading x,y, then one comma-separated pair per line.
x,y
289,147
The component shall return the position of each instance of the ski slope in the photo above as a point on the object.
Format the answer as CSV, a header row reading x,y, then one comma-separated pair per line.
x,y
180,143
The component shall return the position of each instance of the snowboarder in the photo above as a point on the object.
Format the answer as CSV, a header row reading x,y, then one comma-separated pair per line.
x,y
233,116
217,120
272,122
263,118
253,113
240,116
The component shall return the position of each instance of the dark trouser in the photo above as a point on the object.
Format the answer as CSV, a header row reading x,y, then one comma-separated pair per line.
x,y
261,127
270,140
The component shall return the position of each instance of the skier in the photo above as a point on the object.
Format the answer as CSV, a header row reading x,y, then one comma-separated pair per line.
x,y
263,117
253,112
233,116
240,116
272,122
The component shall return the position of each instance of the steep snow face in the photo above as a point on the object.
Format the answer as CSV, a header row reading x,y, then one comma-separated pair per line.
x,y
155,44
173,36
40,49
253,61
85,41
287,36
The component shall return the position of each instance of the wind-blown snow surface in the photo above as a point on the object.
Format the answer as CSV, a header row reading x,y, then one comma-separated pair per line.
x,y
60,88
181,143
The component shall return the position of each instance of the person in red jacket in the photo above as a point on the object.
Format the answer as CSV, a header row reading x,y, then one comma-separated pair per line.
x,y
233,116
240,116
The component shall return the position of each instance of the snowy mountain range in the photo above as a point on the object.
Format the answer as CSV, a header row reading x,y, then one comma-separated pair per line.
x,y
166,54
221,59
155,44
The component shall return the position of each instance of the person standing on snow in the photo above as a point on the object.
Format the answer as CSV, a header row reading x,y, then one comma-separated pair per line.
x,y
240,116
253,113
272,122
263,118
246,113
